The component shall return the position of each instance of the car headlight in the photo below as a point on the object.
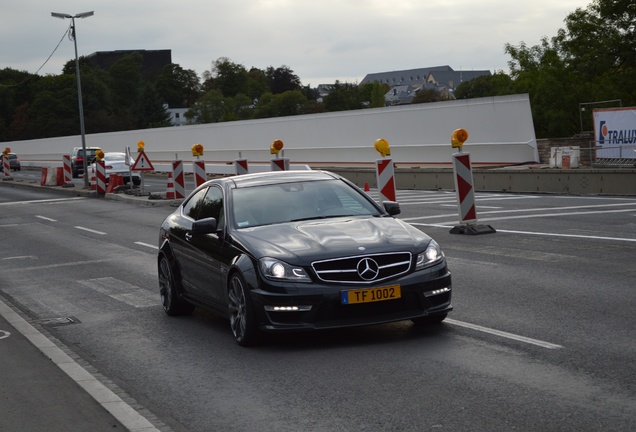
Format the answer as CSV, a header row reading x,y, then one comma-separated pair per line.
x,y
279,270
430,255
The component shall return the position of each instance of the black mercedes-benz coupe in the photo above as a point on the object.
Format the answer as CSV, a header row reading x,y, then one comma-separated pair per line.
x,y
298,250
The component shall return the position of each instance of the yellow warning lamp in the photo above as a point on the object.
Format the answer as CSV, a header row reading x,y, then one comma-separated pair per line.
x,y
382,146
458,137
99,155
140,146
197,150
276,147
6,151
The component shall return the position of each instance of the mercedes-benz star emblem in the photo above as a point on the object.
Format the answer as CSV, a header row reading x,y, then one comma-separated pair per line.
x,y
368,269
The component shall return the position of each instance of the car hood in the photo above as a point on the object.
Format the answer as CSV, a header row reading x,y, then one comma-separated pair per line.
x,y
301,242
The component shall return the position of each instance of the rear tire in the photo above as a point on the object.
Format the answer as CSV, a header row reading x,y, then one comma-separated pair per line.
x,y
170,300
241,312
429,320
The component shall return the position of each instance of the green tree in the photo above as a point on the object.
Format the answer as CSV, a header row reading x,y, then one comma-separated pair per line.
x,y
289,103
178,87
256,83
150,110
592,59
343,97
497,84
282,79
226,76
373,93
125,82
17,88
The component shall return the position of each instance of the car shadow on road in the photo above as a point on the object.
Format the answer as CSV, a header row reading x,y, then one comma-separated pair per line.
x,y
403,332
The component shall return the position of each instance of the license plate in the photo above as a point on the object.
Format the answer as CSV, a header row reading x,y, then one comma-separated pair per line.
x,y
369,295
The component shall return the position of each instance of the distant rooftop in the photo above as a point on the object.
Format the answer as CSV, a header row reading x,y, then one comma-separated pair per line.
x,y
440,75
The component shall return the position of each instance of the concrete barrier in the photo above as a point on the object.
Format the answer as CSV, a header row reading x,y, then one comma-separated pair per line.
x,y
526,180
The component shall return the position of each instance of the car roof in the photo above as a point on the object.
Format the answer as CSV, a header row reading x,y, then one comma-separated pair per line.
x,y
274,177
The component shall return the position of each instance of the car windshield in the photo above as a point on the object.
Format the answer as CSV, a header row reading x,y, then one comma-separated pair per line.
x,y
89,152
288,202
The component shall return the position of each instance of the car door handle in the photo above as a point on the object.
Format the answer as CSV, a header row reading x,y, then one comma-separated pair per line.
x,y
188,236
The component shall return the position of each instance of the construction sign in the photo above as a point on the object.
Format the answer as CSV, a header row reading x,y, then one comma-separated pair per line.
x,y
142,163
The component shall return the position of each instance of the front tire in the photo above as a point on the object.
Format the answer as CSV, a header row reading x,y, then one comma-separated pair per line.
x,y
170,300
241,311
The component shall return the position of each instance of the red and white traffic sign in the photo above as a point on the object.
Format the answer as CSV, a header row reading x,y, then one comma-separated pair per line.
x,y
143,163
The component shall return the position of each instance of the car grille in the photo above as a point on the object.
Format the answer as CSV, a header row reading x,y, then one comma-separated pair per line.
x,y
363,268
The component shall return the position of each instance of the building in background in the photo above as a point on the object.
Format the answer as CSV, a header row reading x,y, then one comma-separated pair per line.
x,y
405,84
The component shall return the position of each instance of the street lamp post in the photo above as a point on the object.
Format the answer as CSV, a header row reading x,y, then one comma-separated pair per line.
x,y
79,85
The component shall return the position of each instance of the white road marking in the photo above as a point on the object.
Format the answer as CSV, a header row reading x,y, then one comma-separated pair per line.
x,y
147,245
90,230
633,204
123,291
503,334
19,257
538,233
4,334
44,201
46,218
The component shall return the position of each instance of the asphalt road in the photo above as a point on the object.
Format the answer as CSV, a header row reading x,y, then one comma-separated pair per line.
x,y
541,338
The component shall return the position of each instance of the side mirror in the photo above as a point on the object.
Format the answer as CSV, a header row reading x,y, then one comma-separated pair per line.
x,y
391,207
204,226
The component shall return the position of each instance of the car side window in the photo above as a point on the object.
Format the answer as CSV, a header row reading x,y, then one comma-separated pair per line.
x,y
191,207
212,206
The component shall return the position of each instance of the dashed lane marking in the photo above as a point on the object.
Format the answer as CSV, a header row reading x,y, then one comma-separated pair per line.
x,y
90,230
46,218
146,245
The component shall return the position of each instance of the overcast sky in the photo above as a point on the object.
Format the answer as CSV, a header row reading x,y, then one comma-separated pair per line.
x,y
320,40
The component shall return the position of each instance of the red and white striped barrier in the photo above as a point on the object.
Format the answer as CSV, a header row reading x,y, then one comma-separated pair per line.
x,y
100,168
464,185
68,175
386,179
6,166
240,167
179,179
170,187
281,164
199,173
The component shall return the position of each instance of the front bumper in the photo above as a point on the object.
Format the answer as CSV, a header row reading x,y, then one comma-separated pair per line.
x,y
423,293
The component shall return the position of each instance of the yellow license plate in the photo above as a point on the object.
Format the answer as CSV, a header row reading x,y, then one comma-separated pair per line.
x,y
369,295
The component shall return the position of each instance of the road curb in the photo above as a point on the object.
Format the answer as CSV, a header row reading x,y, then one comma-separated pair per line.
x,y
145,200
124,413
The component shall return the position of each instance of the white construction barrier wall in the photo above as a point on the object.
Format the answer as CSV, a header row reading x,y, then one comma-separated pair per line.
x,y
500,131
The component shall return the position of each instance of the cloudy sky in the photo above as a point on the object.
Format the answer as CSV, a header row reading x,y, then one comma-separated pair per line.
x,y
320,40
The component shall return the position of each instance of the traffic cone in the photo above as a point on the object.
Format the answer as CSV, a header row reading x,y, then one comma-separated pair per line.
x,y
114,181
170,188
366,187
